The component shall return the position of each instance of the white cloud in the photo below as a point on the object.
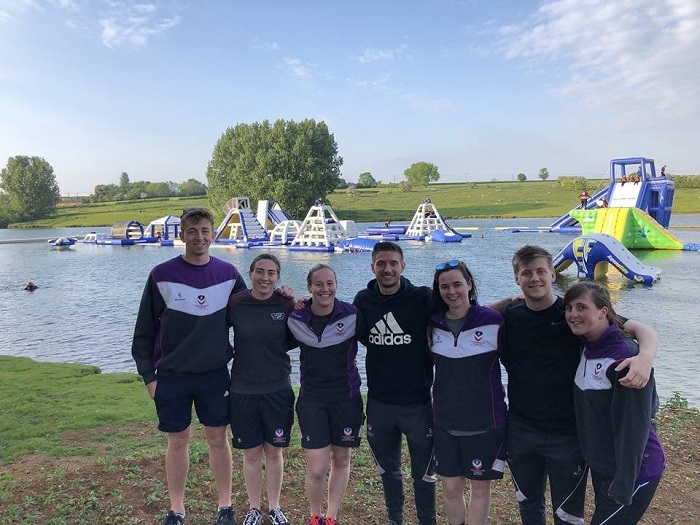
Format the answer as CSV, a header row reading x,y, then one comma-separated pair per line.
x,y
13,9
268,47
381,55
639,60
297,68
132,24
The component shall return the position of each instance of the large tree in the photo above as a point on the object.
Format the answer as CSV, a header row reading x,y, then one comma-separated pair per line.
x,y
421,173
192,187
124,181
31,187
543,174
293,162
158,189
365,180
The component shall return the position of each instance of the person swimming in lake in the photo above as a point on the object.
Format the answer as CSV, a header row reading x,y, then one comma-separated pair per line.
x,y
30,286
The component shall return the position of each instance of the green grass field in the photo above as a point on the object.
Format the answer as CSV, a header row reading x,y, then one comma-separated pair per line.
x,y
459,200
80,447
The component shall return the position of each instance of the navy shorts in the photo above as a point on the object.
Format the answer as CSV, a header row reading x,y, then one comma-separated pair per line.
x,y
176,394
262,418
324,423
479,457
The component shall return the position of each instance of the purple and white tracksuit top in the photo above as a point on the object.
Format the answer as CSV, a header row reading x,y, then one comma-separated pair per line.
x,y
614,422
328,371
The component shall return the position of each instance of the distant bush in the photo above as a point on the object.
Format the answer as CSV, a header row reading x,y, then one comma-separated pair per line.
x,y
574,182
686,181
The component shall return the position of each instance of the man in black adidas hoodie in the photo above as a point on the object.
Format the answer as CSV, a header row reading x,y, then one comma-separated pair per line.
x,y
399,378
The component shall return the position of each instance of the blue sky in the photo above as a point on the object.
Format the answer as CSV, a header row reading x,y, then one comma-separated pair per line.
x,y
484,89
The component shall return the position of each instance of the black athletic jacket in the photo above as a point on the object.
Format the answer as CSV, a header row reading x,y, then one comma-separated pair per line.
x,y
398,365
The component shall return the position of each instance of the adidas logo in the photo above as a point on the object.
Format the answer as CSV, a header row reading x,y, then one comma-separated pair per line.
x,y
387,331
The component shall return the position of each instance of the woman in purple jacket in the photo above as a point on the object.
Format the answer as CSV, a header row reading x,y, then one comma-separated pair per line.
x,y
614,422
468,396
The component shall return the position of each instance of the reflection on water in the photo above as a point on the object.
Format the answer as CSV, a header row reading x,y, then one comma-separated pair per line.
x,y
85,307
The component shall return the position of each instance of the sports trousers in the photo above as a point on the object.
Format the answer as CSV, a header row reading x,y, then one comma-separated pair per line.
x,y
386,424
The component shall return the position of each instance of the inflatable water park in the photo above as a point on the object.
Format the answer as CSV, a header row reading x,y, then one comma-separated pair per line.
x,y
427,224
61,243
632,212
321,229
163,232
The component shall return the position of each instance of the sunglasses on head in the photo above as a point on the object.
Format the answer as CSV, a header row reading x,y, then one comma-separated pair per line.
x,y
454,263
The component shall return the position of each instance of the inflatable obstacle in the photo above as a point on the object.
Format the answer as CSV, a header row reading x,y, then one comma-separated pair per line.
x,y
634,228
594,254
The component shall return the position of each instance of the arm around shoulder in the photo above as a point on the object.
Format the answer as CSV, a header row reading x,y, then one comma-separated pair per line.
x,y
641,364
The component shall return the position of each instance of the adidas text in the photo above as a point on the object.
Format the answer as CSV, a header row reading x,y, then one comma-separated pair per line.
x,y
390,339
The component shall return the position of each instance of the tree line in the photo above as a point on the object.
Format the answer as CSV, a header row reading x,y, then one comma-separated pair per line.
x,y
292,162
127,190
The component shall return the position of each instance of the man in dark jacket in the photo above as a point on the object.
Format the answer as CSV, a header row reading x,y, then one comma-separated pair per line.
x,y
399,378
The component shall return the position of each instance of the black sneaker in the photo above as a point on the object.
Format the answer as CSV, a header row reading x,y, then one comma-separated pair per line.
x,y
277,517
173,519
226,516
254,517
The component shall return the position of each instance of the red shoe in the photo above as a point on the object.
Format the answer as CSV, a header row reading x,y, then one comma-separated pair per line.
x,y
315,520
330,521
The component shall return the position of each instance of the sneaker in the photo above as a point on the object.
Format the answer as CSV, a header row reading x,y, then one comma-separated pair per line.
x,y
173,519
226,516
254,517
329,521
277,517
316,520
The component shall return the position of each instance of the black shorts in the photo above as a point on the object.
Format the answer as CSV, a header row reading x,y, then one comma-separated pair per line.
x,y
324,423
262,418
209,393
478,457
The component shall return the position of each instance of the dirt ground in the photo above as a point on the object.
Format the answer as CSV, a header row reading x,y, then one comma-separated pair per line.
x,y
105,489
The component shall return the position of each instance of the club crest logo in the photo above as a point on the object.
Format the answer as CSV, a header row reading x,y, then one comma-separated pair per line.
x,y
476,463
478,336
201,299
279,433
347,431
340,328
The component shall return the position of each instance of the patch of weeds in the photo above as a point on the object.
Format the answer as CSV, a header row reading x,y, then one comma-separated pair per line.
x,y
199,452
12,513
156,494
134,473
109,464
676,402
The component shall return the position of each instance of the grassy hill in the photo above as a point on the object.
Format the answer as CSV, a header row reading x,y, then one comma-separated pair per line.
x,y
388,202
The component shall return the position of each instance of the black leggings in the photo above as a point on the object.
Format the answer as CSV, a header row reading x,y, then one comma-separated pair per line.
x,y
609,512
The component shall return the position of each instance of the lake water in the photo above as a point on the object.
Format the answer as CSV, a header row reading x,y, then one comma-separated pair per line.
x,y
85,308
